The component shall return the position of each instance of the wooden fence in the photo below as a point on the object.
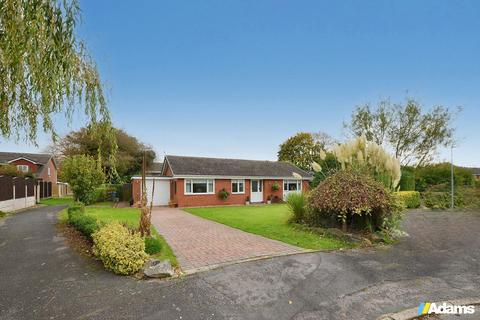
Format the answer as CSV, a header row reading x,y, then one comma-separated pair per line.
x,y
16,193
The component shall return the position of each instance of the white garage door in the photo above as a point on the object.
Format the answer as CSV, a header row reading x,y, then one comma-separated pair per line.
x,y
161,194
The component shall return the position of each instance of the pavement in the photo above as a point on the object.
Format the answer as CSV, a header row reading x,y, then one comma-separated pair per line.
x,y
42,278
201,244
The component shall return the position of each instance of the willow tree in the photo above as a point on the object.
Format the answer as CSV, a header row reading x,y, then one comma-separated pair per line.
x,y
44,69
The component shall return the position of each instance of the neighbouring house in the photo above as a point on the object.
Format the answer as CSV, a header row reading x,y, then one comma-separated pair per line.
x,y
40,165
197,181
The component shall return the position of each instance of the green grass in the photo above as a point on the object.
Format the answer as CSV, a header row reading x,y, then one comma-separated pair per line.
x,y
103,212
58,201
130,216
269,221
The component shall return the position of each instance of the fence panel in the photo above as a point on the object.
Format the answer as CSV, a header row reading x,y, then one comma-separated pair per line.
x,y
19,184
127,192
30,187
6,188
42,189
49,189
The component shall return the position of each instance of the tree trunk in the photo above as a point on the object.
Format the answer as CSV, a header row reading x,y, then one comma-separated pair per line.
x,y
145,211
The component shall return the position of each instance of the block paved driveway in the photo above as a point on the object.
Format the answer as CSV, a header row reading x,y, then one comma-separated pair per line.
x,y
201,244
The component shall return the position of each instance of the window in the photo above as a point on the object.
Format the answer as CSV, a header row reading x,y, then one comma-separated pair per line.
x,y
23,168
199,186
238,186
48,171
292,185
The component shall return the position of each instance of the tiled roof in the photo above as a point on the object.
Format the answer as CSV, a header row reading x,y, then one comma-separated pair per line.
x,y
40,158
199,166
155,166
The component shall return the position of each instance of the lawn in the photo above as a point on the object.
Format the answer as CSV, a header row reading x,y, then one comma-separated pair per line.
x,y
131,216
58,201
269,221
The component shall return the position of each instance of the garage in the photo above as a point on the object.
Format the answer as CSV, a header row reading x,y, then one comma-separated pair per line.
x,y
161,193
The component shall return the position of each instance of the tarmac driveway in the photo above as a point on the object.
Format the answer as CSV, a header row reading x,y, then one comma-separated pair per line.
x,y
41,278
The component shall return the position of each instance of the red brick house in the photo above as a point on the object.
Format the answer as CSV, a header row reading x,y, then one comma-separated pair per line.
x,y
195,181
41,165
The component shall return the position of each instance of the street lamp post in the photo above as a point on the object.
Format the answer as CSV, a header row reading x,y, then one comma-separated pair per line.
x,y
451,179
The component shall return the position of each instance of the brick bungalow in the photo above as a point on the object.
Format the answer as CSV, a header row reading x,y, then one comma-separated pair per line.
x,y
196,181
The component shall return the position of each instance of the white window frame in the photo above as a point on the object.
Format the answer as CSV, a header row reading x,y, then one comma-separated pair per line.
x,y
237,182
191,193
48,171
21,167
298,182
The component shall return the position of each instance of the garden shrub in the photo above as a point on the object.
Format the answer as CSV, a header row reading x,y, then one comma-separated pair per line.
x,y
152,245
297,202
84,223
436,200
464,198
438,174
120,251
2,214
85,175
10,170
101,194
407,181
410,199
351,198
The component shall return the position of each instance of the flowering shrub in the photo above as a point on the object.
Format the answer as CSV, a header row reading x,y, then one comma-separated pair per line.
x,y
349,198
120,250
410,199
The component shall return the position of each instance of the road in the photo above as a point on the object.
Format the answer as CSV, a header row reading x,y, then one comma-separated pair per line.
x,y
42,278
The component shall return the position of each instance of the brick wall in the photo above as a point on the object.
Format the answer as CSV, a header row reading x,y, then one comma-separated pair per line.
x,y
197,200
31,166
53,173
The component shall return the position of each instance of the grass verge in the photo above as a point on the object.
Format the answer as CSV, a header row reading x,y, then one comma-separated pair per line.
x,y
270,221
130,216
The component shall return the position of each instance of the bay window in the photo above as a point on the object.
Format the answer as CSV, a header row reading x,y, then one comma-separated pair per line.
x,y
199,186
238,186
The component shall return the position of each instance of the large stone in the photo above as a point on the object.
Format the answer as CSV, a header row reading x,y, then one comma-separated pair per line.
x,y
158,269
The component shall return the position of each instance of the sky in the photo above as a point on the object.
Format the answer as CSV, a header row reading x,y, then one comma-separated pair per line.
x,y
234,79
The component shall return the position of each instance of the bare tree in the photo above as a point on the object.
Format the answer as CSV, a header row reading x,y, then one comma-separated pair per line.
x,y
413,135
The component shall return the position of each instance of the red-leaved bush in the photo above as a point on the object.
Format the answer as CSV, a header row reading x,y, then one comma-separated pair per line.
x,y
349,199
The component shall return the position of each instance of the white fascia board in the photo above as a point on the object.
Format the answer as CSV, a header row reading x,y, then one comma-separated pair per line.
x,y
239,177
152,178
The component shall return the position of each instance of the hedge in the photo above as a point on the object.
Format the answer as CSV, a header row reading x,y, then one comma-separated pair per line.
x,y
410,199
84,223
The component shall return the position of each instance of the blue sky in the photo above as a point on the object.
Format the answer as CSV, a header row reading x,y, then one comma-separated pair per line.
x,y
236,78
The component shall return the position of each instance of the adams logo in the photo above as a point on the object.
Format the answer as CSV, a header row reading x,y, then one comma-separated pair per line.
x,y
444,308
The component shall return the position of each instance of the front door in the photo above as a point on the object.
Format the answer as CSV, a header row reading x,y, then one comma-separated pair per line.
x,y
256,191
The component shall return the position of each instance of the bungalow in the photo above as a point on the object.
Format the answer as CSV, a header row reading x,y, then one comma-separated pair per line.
x,y
195,181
